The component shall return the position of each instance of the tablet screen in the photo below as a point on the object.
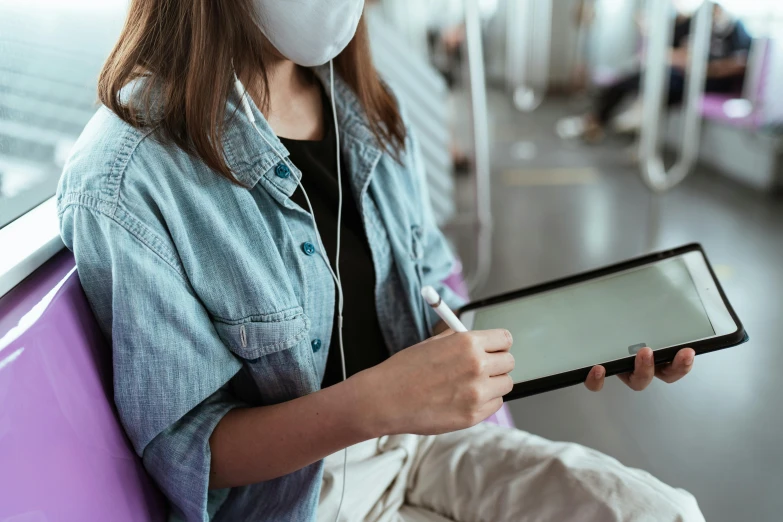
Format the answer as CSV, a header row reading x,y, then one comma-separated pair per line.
x,y
601,320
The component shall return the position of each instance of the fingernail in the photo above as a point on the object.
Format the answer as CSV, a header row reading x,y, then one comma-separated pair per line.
x,y
598,373
688,360
648,357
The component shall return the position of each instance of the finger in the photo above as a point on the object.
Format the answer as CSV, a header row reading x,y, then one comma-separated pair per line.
x,y
490,408
498,387
595,379
492,340
643,373
678,368
499,363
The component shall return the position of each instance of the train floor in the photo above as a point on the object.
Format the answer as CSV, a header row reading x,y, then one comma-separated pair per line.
x,y
564,207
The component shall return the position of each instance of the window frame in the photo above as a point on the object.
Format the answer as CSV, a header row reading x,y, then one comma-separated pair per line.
x,y
27,243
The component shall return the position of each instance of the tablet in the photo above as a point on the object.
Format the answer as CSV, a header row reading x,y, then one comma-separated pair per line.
x,y
667,301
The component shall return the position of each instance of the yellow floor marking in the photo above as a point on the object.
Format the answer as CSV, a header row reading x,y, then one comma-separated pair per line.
x,y
561,176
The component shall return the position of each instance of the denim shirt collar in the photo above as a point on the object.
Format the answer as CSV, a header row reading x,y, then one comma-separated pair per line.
x,y
251,158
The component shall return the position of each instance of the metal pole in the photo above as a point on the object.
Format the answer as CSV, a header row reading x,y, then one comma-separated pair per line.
x,y
653,171
517,13
528,49
478,98
757,55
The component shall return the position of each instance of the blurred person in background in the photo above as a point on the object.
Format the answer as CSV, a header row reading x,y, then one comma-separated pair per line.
x,y
729,47
204,204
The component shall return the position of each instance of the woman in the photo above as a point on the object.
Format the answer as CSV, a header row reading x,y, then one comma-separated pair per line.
x,y
196,246
728,57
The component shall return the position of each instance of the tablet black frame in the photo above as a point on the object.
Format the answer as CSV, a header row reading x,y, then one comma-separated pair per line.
x,y
570,378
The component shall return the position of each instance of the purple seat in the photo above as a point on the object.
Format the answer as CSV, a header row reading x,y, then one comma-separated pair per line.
x,y
712,106
63,453
718,107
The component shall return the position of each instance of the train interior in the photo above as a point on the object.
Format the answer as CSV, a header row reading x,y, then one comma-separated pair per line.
x,y
531,175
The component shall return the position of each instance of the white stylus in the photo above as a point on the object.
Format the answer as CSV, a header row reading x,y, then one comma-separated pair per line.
x,y
442,309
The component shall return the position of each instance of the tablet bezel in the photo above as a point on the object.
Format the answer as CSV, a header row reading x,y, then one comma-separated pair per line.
x,y
728,328
715,306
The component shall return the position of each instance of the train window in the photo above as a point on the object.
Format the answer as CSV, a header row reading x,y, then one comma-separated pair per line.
x,y
50,56
763,18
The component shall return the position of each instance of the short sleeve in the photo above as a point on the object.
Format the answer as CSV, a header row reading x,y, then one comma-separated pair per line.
x,y
742,39
169,364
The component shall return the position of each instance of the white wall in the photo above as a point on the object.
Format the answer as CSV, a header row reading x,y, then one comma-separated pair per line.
x,y
563,48
611,42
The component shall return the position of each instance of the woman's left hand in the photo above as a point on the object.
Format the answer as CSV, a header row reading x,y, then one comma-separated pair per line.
x,y
645,370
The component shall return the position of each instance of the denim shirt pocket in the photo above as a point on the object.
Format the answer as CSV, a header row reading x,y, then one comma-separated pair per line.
x,y
257,336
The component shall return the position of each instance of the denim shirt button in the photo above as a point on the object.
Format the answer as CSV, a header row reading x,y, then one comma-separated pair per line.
x,y
308,248
316,344
282,170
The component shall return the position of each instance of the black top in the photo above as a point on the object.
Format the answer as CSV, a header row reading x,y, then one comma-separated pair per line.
x,y
363,342
733,41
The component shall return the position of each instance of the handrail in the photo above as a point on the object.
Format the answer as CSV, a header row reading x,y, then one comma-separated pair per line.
x,y
27,243
481,161
753,91
655,79
579,62
759,48
528,49
749,105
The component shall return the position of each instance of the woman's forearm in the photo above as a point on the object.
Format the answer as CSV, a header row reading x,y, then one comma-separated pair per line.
x,y
726,67
445,383
251,445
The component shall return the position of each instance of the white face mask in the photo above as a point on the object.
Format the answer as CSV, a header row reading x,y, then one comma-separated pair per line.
x,y
722,23
309,32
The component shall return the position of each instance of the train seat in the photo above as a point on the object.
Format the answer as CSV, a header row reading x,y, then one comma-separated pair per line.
x,y
65,455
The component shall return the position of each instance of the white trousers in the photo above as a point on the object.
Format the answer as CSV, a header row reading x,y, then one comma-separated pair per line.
x,y
493,474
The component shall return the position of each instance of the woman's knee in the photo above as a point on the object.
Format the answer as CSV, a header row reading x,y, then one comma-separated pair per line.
x,y
618,492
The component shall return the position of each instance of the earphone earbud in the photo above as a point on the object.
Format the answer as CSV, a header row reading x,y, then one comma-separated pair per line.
x,y
243,99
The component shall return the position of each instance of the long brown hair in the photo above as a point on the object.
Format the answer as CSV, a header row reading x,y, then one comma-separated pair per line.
x,y
185,50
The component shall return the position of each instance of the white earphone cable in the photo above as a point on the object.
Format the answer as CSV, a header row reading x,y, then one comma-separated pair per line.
x,y
335,275
337,267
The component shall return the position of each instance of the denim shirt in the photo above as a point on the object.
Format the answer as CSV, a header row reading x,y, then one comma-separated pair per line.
x,y
209,298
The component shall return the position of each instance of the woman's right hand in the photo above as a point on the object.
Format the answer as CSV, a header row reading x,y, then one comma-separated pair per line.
x,y
448,382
